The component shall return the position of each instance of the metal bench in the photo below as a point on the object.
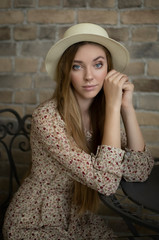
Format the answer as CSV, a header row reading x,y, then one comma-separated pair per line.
x,y
138,205
14,137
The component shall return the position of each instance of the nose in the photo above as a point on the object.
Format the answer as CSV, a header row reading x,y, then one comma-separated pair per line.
x,y
88,74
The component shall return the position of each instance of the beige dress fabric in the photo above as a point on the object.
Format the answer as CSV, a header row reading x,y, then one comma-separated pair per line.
x,y
41,209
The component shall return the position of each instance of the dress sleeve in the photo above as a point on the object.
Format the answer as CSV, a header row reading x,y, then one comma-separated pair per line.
x,y
137,165
102,171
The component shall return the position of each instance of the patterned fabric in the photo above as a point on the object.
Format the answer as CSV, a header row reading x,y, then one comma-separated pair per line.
x,y
42,207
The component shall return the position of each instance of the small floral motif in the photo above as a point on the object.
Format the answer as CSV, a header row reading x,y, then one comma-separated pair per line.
x,y
42,207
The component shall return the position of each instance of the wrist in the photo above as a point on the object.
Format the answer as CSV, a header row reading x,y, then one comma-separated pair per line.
x,y
113,108
127,108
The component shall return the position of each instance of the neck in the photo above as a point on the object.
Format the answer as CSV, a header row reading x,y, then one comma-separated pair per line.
x,y
86,116
84,108
84,105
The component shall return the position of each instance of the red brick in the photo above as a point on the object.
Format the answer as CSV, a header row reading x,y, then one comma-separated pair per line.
x,y
5,4
74,4
6,96
11,17
54,3
151,135
25,33
135,68
148,118
140,17
42,67
13,82
51,16
154,150
37,49
4,33
101,4
118,34
148,102
5,65
151,3
27,97
145,34
153,68
44,82
24,3
61,31
30,108
146,85
7,49
45,95
98,16
17,108
129,3
26,65
47,32
144,50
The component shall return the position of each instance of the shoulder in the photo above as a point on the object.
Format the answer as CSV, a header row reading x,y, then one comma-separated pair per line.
x,y
49,107
47,111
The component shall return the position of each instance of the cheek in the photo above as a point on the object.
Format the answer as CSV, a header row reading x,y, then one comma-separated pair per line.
x,y
76,76
101,76
74,79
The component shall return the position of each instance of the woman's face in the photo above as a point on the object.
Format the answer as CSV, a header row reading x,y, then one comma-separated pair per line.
x,y
89,69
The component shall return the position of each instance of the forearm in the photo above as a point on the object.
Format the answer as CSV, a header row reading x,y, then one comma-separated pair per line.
x,y
135,139
111,135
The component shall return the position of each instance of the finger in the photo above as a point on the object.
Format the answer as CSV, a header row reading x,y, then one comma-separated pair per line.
x,y
128,86
116,76
121,80
110,74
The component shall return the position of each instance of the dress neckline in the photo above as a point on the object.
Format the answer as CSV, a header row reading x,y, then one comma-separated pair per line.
x,y
88,134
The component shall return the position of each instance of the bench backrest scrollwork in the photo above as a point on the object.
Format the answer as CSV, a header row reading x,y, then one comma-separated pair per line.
x,y
14,139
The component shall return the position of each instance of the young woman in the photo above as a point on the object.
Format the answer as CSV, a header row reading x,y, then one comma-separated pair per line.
x,y
78,148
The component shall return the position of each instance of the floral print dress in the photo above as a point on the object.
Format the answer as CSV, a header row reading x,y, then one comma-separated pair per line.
x,y
42,207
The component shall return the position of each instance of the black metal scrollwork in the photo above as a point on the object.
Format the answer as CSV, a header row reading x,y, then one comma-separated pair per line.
x,y
13,129
14,132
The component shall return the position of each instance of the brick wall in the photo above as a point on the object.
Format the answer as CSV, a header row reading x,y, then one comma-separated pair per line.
x,y
29,27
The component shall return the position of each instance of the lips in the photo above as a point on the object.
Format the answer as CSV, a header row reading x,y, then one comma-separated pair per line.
x,y
89,87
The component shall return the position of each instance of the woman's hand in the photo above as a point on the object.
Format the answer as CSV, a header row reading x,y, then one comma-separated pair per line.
x,y
118,93
117,89
127,95
113,89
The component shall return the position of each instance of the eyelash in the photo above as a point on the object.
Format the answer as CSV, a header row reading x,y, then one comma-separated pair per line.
x,y
76,67
100,63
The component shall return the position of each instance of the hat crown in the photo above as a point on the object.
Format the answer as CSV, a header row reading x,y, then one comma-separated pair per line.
x,y
88,32
85,28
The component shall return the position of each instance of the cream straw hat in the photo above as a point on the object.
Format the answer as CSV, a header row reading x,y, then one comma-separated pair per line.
x,y
86,32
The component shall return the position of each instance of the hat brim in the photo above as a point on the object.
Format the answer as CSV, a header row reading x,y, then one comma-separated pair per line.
x,y
120,55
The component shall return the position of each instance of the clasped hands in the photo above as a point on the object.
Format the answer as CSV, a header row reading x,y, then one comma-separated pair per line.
x,y
118,90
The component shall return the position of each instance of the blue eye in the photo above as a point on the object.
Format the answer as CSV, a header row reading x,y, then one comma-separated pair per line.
x,y
98,65
76,67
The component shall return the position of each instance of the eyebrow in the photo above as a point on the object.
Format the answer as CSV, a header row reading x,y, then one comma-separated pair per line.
x,y
78,61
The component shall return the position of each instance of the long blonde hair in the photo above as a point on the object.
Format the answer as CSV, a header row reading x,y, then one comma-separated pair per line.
x,y
86,198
